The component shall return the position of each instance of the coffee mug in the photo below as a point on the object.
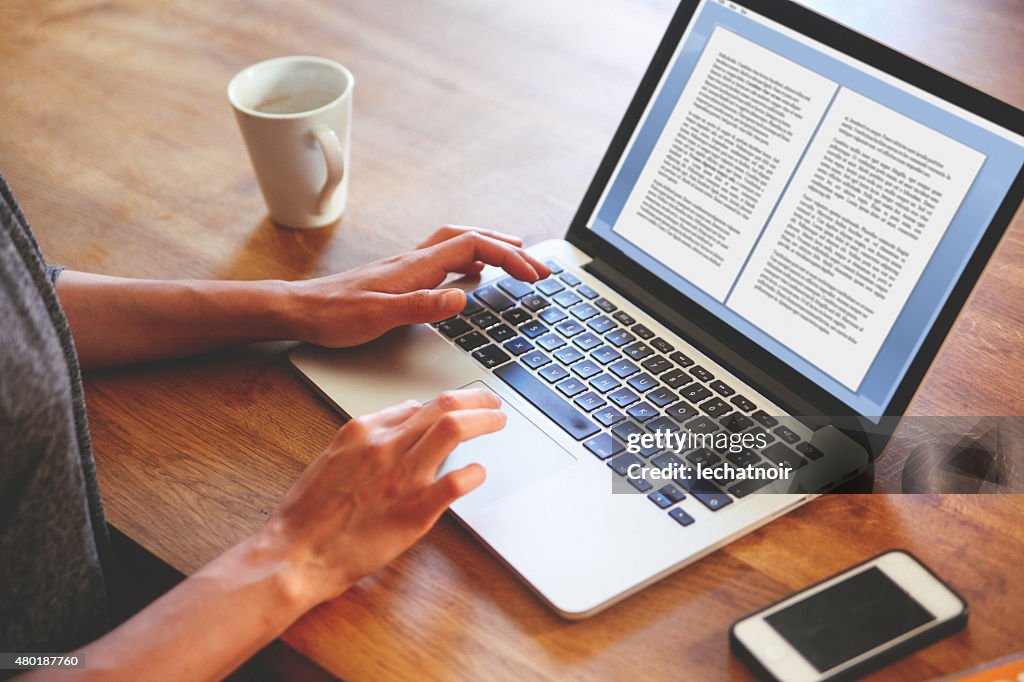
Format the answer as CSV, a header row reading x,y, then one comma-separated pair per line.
x,y
295,114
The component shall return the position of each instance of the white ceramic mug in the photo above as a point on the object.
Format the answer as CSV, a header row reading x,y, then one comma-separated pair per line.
x,y
295,114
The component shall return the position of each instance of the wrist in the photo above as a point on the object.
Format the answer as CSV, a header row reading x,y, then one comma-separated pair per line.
x,y
283,305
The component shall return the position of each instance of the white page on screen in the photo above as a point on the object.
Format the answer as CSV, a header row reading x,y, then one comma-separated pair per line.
x,y
859,222
729,146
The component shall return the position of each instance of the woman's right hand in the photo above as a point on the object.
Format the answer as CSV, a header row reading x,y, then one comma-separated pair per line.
x,y
374,492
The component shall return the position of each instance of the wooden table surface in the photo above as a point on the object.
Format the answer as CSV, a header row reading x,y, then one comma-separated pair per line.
x,y
116,135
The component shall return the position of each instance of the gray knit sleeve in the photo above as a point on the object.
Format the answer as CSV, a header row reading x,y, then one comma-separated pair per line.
x,y
53,272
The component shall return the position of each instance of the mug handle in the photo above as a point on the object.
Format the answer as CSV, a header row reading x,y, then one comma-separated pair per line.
x,y
330,145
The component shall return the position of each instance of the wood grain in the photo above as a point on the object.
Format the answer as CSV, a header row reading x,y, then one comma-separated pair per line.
x,y
117,137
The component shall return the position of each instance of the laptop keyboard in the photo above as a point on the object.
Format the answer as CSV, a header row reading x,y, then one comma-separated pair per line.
x,y
601,375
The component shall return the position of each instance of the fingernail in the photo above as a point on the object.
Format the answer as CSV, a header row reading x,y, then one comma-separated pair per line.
x,y
452,300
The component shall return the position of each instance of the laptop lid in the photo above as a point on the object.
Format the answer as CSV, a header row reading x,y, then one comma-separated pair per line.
x,y
807,205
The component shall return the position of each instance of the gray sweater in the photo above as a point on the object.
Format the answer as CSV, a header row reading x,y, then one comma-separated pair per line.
x,y
52,596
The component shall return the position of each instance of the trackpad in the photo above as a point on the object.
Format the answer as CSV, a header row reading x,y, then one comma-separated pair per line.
x,y
514,457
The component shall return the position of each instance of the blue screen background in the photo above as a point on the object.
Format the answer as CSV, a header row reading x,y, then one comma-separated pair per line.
x,y
1003,161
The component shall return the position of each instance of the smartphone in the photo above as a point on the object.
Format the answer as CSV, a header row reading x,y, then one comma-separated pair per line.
x,y
850,624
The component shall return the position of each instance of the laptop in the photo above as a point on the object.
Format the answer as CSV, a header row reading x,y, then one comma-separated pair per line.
x,y
785,226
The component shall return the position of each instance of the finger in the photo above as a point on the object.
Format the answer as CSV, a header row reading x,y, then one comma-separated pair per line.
x,y
425,305
383,418
457,253
433,499
449,231
413,428
471,269
447,432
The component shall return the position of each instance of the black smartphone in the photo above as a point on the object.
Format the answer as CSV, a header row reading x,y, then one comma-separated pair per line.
x,y
851,623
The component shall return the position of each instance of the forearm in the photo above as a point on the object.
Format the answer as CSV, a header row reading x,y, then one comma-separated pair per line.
x,y
208,625
116,320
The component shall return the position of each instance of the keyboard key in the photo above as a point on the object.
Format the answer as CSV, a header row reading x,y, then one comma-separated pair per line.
x,y
695,393
553,373
765,419
662,397
656,364
454,326
662,345
590,401
571,387
623,462
623,318
642,412
586,292
608,416
491,356
517,346
605,305
787,434
623,397
736,422
605,383
722,388
667,460
642,382
623,369
547,401
569,328
640,484
586,369
676,378
743,458
570,279
533,329
673,493
783,456
681,517
638,350
485,319
660,500
472,307
716,407
605,354
681,411
583,311
600,324
550,342
514,287
642,331
742,403
704,457
516,316
748,485
567,355
663,424
566,299
550,286
587,341
500,333
535,359
626,429
534,302
809,451
680,359
702,374
555,266
701,425
604,446
760,434
471,340
619,337
494,298
713,501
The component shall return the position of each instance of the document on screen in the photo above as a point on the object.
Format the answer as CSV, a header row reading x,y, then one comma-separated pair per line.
x,y
730,144
850,238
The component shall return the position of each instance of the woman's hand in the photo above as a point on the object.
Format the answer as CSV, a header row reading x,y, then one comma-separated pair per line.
x,y
373,492
357,306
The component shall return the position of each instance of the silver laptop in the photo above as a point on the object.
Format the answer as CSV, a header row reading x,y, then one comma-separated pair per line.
x,y
785,226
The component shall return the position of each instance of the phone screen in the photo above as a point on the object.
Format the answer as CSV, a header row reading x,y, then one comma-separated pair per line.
x,y
849,618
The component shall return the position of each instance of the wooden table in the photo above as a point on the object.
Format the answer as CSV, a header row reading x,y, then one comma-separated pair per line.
x,y
116,134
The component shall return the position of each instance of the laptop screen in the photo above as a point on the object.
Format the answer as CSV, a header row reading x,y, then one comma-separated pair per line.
x,y
820,207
